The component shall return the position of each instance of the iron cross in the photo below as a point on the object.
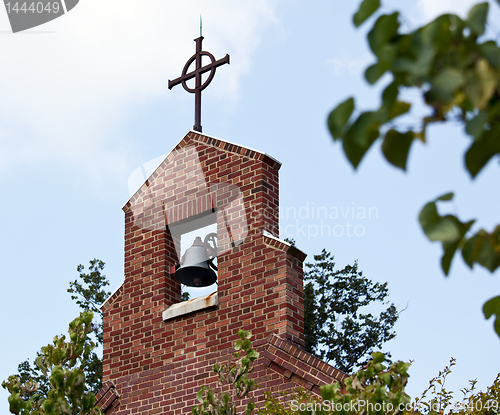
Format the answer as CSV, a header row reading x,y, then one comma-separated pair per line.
x,y
197,73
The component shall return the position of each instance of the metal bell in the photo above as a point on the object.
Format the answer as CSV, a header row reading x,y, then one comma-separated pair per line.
x,y
195,268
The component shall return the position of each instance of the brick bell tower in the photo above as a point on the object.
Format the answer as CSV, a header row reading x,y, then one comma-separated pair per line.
x,y
157,351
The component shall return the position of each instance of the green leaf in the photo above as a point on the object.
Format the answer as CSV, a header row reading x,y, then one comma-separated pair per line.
x,y
482,150
327,392
475,126
48,405
488,79
378,357
468,251
451,248
491,52
88,402
363,129
386,377
389,97
492,307
481,248
384,29
250,407
339,117
374,72
480,84
399,108
445,230
438,228
15,403
366,9
477,18
495,239
360,136
446,197
446,83
486,255
449,252
420,66
199,395
428,215
396,146
391,107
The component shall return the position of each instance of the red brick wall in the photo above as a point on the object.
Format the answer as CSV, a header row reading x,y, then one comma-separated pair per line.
x,y
156,366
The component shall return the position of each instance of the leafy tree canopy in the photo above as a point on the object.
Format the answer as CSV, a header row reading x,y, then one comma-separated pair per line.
x,y
378,388
89,292
341,326
64,363
457,72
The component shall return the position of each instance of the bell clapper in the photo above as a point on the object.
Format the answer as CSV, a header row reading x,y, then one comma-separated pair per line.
x,y
211,245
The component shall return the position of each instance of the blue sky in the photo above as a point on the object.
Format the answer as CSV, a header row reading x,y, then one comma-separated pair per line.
x,y
84,103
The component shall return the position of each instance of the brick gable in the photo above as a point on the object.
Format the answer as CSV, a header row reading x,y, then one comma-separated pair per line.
x,y
157,366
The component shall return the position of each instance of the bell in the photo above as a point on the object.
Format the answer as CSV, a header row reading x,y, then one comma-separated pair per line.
x,y
195,269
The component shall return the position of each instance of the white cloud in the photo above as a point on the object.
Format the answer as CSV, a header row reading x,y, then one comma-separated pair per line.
x,y
432,8
345,64
64,92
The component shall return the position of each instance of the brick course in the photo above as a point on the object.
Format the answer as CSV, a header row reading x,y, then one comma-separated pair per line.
x,y
151,366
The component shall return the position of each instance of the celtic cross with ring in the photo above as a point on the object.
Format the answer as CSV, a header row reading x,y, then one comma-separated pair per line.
x,y
196,74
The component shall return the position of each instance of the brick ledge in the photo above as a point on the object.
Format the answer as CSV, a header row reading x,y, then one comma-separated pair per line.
x,y
294,363
191,306
107,397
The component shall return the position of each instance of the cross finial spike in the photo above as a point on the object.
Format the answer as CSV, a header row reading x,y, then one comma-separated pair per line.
x,y
197,75
200,27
